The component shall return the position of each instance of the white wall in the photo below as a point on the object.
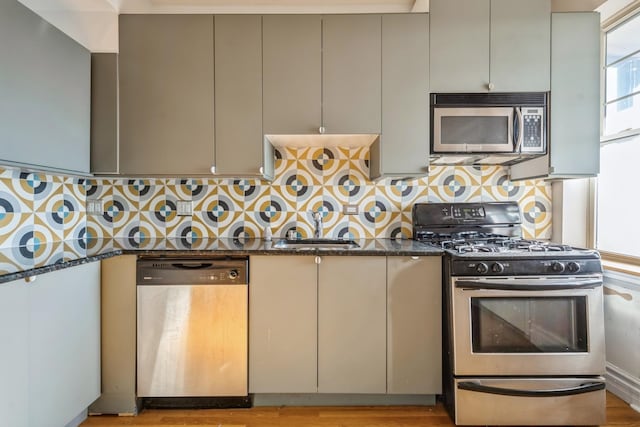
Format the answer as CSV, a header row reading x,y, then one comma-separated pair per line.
x,y
622,334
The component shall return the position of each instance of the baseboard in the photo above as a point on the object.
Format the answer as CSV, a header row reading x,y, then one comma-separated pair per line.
x,y
623,385
324,399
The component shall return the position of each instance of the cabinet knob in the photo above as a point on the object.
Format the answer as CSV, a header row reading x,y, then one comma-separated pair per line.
x,y
318,260
491,86
213,169
30,279
321,130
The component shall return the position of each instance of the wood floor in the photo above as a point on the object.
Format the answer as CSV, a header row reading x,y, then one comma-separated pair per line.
x,y
618,414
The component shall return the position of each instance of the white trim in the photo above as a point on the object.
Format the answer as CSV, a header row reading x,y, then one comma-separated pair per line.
x,y
623,385
622,280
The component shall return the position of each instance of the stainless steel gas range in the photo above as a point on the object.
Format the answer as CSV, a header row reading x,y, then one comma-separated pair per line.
x,y
523,320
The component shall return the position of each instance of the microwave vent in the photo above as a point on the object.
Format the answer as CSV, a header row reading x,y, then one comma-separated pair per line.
x,y
490,99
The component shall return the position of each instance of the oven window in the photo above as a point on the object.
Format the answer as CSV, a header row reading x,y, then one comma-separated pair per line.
x,y
529,325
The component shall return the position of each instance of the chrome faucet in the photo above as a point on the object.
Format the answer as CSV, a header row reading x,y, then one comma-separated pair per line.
x,y
317,221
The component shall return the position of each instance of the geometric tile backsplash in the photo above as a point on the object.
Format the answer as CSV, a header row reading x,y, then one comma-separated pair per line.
x,y
39,206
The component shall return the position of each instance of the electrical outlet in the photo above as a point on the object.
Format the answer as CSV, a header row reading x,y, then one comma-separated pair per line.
x,y
350,209
184,208
95,207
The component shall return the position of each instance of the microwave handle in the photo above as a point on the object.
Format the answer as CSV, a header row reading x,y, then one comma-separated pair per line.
x,y
520,136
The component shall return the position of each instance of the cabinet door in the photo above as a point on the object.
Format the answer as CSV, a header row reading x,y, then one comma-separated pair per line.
x,y
291,66
45,84
238,101
520,45
118,336
405,97
14,359
166,94
64,344
104,113
574,142
459,50
351,73
283,324
575,94
352,325
414,325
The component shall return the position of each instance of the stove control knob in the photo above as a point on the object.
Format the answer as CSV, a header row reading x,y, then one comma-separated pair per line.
x,y
233,274
557,267
482,268
496,267
573,267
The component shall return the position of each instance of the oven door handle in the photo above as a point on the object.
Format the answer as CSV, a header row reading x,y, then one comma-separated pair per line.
x,y
582,388
511,285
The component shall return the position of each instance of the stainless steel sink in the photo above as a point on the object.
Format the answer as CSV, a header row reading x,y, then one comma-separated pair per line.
x,y
312,244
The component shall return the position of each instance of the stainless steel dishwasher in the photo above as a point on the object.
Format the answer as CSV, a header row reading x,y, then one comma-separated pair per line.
x,y
192,327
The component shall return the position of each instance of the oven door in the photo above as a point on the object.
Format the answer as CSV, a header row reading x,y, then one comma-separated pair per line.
x,y
474,130
528,326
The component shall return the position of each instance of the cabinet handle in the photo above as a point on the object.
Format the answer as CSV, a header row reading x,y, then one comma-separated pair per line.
x,y
415,257
213,169
321,130
318,260
30,279
261,170
491,86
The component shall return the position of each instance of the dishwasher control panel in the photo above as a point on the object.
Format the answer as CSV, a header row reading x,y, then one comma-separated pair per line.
x,y
193,271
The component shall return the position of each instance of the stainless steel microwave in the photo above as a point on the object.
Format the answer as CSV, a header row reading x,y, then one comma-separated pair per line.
x,y
512,124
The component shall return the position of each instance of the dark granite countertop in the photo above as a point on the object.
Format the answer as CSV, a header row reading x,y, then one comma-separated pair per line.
x,y
20,262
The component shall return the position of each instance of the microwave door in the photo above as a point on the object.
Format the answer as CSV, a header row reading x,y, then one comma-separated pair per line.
x,y
473,130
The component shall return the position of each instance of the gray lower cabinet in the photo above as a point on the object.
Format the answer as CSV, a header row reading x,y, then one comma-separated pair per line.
x,y
403,147
118,336
345,325
351,74
283,324
45,83
292,74
574,141
414,336
241,149
51,329
166,94
14,365
352,324
489,45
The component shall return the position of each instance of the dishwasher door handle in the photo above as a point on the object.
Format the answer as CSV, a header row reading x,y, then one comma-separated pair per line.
x,y
192,266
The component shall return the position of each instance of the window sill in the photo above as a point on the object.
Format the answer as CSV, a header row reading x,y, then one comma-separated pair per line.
x,y
621,267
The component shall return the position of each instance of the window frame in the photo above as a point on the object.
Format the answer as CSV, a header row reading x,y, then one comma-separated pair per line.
x,y
611,260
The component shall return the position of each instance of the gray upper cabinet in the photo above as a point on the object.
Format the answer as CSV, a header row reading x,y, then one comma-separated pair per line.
x,y
520,45
352,325
403,147
238,102
489,45
45,83
166,94
292,73
351,74
574,149
104,113
459,45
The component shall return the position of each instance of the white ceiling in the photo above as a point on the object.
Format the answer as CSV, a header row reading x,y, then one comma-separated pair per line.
x,y
94,23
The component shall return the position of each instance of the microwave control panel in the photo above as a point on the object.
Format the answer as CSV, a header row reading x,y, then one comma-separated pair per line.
x,y
532,132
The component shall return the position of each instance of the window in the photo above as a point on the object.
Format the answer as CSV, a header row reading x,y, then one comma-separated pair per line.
x,y
622,84
618,203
